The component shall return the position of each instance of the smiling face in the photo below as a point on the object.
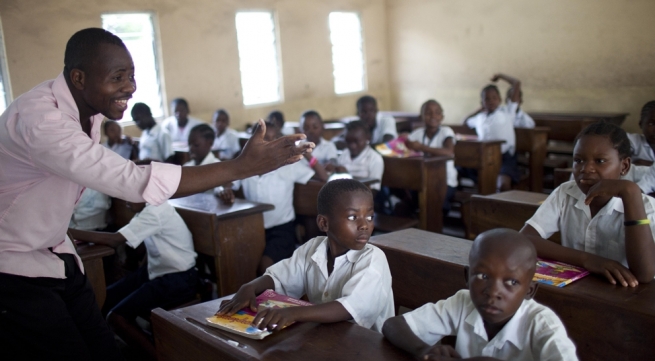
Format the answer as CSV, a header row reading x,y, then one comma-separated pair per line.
x,y
199,147
109,81
350,224
490,100
357,140
595,158
312,126
432,116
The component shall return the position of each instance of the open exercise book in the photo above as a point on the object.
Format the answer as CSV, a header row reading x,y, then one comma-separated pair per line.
x,y
557,273
241,322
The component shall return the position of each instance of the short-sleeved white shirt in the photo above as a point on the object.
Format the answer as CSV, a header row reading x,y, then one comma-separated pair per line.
x,y
360,280
324,151
640,147
209,159
155,143
227,144
604,235
168,240
124,149
276,188
533,333
90,212
178,134
495,126
368,164
437,141
385,124
521,118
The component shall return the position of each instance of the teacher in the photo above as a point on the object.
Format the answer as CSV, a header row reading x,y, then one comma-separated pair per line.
x,y
49,152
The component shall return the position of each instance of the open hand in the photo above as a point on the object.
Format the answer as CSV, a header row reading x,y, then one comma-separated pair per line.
x,y
614,271
415,146
245,297
275,319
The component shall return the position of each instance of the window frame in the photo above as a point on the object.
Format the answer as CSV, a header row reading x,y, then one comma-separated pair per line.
x,y
364,89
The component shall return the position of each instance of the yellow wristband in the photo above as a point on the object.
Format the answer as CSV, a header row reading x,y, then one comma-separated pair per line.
x,y
636,223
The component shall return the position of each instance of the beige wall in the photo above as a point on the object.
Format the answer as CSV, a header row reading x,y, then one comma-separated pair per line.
x,y
583,55
198,43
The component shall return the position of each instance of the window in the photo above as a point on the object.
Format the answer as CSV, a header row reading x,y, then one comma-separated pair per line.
x,y
347,52
5,92
138,34
258,59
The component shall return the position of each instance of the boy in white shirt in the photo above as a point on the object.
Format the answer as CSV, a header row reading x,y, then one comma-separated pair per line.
x,y
169,279
227,140
495,318
155,142
116,142
180,123
341,274
381,126
513,102
312,125
90,213
359,159
201,139
643,144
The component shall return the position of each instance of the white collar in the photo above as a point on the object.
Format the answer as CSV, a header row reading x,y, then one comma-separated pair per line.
x,y
614,204
514,331
320,254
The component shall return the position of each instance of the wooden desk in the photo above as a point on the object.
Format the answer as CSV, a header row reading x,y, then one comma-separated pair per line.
x,y
605,322
485,156
533,141
177,338
504,210
427,175
91,255
233,235
565,126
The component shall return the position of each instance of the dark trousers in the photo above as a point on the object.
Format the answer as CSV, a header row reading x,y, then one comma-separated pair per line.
x,y
53,319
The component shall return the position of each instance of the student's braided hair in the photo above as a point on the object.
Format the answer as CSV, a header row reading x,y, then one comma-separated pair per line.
x,y
616,135
336,190
204,130
647,110
82,47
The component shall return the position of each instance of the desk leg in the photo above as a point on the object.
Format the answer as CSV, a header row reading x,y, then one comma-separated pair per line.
x,y
432,196
96,274
239,247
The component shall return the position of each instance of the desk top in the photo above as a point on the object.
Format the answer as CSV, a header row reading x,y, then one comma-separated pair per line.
x,y
88,251
531,198
208,203
574,116
301,341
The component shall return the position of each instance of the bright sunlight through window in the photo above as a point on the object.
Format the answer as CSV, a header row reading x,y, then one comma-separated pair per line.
x,y
347,52
258,60
138,34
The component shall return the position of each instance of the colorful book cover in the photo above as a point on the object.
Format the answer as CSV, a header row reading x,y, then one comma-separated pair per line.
x,y
557,273
241,322
396,148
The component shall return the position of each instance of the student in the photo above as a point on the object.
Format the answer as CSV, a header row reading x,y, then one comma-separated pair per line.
x,y
116,142
495,318
341,274
275,188
50,151
277,117
606,223
201,139
169,279
90,212
644,143
358,158
312,125
438,140
155,142
227,140
492,123
180,124
513,101
382,127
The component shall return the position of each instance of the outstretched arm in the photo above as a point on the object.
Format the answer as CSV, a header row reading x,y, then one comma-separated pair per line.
x,y
106,238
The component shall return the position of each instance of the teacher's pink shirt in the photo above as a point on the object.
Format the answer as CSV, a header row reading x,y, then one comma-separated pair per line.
x,y
46,160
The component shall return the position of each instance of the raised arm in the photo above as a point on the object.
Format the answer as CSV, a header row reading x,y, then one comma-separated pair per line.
x,y
515,83
107,238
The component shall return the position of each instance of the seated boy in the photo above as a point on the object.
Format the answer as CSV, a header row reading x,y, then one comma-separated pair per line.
x,y
492,123
180,123
513,102
495,318
382,128
312,125
341,274
115,141
169,279
276,188
358,158
201,139
644,143
155,143
277,117
90,213
227,140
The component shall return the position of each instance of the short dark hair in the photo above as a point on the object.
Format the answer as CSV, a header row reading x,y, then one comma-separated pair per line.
x,y
358,124
107,123
646,111
141,108
427,102
204,130
311,113
489,87
616,135
82,47
366,99
277,117
182,101
332,192
222,111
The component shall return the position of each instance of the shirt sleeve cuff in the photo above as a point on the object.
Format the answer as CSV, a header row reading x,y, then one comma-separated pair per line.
x,y
353,313
163,183
132,239
536,228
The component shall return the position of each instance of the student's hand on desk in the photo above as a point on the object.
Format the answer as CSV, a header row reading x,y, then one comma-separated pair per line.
x,y
275,319
615,272
245,297
440,352
412,145
226,196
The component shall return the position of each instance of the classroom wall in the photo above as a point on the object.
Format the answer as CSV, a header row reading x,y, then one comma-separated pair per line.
x,y
583,55
199,49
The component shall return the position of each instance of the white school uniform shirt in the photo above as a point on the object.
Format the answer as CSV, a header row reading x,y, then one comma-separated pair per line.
x,y
227,144
437,141
155,143
276,188
180,134
368,164
324,151
640,147
533,333
168,240
123,149
90,212
604,235
209,159
521,118
384,124
495,126
360,280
